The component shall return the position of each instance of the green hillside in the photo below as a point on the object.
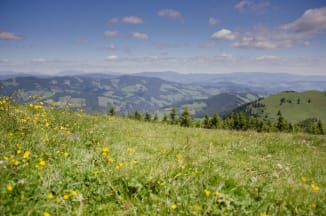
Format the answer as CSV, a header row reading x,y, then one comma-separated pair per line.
x,y
56,162
293,106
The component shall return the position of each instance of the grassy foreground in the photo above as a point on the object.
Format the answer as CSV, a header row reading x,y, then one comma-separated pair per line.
x,y
63,163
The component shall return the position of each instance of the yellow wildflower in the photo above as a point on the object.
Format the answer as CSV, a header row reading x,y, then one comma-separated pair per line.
x,y
105,150
26,154
66,196
110,159
263,214
73,193
174,206
207,192
66,154
19,151
315,187
46,214
42,162
58,200
313,205
178,156
217,193
303,179
9,188
197,207
50,196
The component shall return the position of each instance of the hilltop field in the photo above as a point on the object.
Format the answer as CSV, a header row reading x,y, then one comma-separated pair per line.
x,y
58,162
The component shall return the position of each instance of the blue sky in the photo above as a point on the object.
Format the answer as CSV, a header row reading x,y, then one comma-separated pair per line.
x,y
193,36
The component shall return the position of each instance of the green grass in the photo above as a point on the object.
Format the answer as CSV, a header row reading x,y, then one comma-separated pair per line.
x,y
294,112
114,166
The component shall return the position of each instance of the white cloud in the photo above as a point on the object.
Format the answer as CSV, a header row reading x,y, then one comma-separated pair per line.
x,y
39,60
311,22
268,58
112,58
140,36
170,13
252,5
264,38
110,47
212,21
132,20
127,20
224,34
112,33
10,36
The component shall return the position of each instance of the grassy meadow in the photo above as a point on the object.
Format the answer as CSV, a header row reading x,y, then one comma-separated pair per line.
x,y
58,162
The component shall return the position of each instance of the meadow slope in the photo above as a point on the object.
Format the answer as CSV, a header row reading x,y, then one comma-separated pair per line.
x,y
56,162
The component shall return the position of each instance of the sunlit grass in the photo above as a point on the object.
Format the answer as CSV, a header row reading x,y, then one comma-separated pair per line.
x,y
56,162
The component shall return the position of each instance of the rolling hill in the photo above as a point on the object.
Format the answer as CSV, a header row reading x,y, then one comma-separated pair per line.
x,y
98,94
294,106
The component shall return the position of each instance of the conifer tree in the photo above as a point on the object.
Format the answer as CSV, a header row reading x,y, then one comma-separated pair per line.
x,y
165,118
281,123
112,111
320,129
206,122
148,117
156,119
138,116
173,116
215,121
185,119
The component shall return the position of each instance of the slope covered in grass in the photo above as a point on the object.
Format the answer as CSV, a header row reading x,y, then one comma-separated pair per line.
x,y
294,106
65,163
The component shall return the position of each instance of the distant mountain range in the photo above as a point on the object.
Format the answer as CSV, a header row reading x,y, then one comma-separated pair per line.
x,y
153,91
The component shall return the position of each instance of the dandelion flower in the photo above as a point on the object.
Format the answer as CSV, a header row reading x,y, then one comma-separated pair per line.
x,y
19,151
263,214
315,187
110,159
313,205
73,193
26,154
66,154
42,162
50,196
174,206
197,207
303,179
207,192
58,200
66,196
46,214
9,188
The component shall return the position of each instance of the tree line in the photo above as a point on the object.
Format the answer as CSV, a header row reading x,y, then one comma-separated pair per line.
x,y
232,121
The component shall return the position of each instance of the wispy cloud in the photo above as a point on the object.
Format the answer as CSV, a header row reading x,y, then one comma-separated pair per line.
x,y
139,35
112,58
114,33
110,47
127,20
252,5
10,36
170,13
311,23
212,21
224,34
39,60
